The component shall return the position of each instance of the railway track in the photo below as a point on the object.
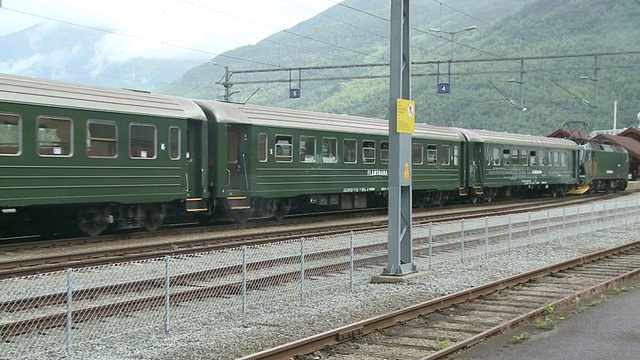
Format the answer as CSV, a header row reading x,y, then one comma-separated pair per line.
x,y
220,280
440,327
57,255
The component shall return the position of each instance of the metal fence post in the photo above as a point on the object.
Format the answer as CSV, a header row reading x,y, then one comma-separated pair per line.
x,y
351,260
68,335
462,240
510,235
604,212
486,237
578,228
301,269
430,244
548,220
564,223
167,293
244,279
529,230
626,212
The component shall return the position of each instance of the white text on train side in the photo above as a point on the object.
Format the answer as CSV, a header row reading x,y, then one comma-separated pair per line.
x,y
377,172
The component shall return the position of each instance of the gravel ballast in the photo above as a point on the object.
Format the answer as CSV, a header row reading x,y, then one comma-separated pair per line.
x,y
328,304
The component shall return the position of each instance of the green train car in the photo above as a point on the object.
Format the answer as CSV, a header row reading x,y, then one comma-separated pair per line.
x,y
509,164
95,156
603,167
270,162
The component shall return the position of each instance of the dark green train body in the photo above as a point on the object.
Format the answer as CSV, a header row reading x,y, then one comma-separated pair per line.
x,y
96,156
104,157
603,167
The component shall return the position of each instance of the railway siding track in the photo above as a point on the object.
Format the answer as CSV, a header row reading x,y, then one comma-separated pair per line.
x,y
47,310
108,253
442,326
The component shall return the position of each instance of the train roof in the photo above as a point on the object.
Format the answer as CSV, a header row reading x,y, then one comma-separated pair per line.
x,y
24,90
495,137
299,119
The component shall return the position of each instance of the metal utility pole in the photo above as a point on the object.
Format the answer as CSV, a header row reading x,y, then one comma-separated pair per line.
x,y
227,85
401,121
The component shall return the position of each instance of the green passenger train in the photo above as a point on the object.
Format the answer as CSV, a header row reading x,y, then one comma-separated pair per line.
x,y
97,158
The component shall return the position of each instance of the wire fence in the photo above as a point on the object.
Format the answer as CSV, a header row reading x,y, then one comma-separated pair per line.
x,y
48,315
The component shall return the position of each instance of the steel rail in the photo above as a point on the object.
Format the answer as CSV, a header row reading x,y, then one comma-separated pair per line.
x,y
348,332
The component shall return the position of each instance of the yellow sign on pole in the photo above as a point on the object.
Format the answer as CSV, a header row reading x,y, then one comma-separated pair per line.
x,y
406,113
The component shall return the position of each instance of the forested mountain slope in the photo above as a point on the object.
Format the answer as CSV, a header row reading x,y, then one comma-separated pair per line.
x,y
578,57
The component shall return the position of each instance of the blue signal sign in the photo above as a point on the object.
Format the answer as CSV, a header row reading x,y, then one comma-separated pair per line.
x,y
443,88
294,93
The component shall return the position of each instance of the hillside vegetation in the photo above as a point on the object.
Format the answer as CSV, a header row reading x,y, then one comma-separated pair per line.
x,y
557,39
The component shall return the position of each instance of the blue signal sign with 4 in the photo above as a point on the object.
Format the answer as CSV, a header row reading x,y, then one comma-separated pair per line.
x,y
444,88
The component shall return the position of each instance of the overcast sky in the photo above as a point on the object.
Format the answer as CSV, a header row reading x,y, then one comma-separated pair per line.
x,y
193,29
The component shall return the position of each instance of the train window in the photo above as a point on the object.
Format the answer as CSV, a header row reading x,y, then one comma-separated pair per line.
x,y
556,158
384,152
174,143
432,155
523,157
506,155
563,159
284,148
488,155
456,154
102,141
369,152
496,156
541,158
55,136
263,145
329,150
142,141
445,155
417,154
10,134
515,154
532,158
548,158
350,148
307,149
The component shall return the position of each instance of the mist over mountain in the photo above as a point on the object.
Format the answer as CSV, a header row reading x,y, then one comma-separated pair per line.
x,y
63,52
562,60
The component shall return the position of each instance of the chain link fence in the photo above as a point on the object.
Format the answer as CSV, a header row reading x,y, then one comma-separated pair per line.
x,y
47,315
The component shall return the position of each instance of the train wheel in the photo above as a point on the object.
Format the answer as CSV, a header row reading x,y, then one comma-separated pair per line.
x,y
152,219
422,200
473,198
242,216
281,211
93,221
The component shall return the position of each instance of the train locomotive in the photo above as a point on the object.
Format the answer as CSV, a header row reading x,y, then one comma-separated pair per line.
x,y
99,158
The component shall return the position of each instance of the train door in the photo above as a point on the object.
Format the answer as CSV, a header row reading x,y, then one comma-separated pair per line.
x,y
193,157
477,165
234,163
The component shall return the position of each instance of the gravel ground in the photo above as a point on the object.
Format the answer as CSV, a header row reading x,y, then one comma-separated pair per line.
x,y
328,304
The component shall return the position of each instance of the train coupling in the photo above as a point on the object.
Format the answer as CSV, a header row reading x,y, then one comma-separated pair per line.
x,y
579,190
